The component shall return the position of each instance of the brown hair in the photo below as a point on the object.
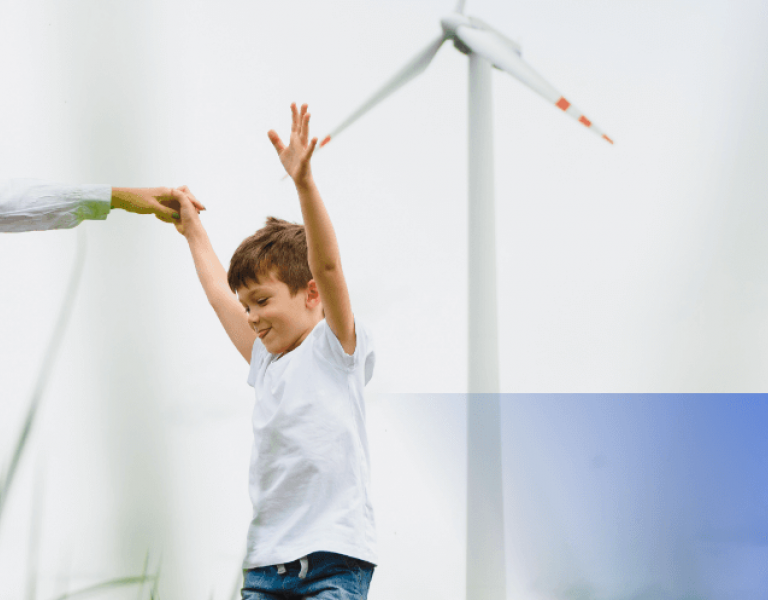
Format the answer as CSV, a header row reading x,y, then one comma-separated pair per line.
x,y
279,245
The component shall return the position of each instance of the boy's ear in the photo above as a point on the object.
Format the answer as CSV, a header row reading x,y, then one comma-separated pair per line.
x,y
313,294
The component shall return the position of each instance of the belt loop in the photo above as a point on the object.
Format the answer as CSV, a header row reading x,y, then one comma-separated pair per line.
x,y
281,569
304,567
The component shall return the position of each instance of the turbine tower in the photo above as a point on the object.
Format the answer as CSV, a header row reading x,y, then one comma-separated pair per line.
x,y
486,48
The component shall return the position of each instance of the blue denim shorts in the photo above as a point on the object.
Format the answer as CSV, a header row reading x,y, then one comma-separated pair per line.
x,y
320,575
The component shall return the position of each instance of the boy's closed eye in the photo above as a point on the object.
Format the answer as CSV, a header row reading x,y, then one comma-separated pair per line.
x,y
260,302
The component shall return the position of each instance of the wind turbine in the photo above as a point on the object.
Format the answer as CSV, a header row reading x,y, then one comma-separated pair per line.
x,y
486,48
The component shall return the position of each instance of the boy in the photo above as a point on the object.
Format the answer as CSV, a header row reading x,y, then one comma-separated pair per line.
x,y
312,532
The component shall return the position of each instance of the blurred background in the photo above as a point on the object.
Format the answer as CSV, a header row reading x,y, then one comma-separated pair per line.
x,y
624,270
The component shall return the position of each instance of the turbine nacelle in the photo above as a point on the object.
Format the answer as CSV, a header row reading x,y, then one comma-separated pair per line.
x,y
452,22
450,25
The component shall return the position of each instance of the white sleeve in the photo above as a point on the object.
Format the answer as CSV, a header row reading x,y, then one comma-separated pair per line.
x,y
258,355
36,205
364,355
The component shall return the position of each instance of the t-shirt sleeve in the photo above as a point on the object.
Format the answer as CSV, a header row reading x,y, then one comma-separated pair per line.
x,y
36,205
364,355
258,356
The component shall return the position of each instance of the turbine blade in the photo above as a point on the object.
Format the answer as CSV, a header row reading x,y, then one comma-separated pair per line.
x,y
493,48
412,69
460,7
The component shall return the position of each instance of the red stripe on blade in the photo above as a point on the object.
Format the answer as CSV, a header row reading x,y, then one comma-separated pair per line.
x,y
607,138
325,141
583,119
562,103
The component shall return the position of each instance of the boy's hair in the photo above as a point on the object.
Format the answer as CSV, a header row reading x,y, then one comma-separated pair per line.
x,y
279,245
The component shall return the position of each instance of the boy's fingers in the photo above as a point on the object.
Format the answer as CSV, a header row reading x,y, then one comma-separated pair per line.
x,y
294,118
303,121
198,205
305,128
276,141
182,192
311,148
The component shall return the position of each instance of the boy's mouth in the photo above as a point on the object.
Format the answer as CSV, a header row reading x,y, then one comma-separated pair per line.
x,y
264,332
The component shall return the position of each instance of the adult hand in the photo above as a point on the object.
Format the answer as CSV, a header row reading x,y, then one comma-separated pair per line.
x,y
148,201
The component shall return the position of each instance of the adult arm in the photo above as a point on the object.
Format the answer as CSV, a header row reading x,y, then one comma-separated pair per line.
x,y
37,205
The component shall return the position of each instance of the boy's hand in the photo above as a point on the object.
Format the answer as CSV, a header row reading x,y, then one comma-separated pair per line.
x,y
184,202
296,156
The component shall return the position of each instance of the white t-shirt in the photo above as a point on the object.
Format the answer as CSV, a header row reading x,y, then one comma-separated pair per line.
x,y
310,466
37,205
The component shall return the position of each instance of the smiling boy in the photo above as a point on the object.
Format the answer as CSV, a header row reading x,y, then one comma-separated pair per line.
x,y
312,532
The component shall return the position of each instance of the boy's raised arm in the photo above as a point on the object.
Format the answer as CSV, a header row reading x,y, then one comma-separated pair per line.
x,y
213,277
324,257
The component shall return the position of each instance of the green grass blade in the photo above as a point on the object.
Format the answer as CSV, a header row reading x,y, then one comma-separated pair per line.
x,y
107,585
45,371
144,574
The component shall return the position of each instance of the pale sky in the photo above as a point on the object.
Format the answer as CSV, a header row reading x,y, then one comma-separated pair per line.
x,y
633,268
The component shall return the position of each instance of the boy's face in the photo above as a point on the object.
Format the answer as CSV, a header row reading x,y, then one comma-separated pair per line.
x,y
281,321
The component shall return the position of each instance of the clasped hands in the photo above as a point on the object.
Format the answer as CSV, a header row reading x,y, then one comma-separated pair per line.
x,y
159,201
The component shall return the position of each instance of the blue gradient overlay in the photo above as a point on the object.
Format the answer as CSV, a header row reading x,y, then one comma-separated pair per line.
x,y
641,496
